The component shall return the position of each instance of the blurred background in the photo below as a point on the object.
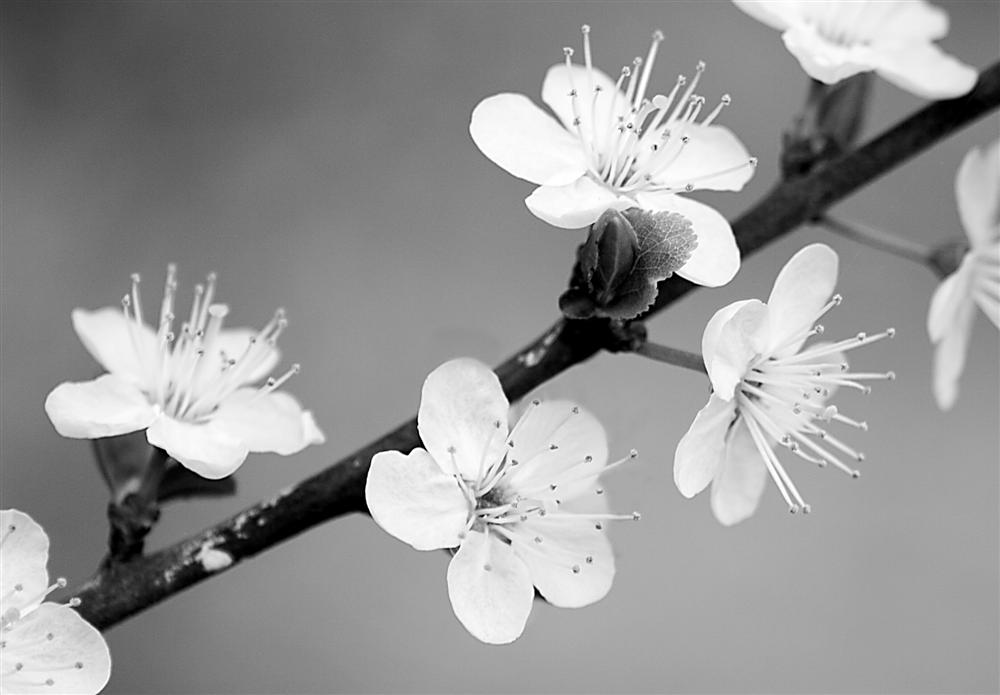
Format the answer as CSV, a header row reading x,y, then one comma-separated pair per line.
x,y
316,155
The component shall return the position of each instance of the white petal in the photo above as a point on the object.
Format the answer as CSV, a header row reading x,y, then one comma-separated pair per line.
x,y
713,159
414,500
525,141
914,19
823,60
977,188
572,565
24,552
463,417
923,69
739,340
552,444
560,81
700,451
490,589
118,344
948,299
737,488
778,14
104,407
949,357
206,449
59,652
716,258
713,334
267,421
574,205
802,288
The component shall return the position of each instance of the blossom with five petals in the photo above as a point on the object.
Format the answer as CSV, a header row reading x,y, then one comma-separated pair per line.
x,y
834,40
768,390
522,507
44,647
977,280
616,149
191,391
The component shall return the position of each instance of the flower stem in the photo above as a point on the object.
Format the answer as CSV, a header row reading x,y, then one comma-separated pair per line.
x,y
879,239
679,358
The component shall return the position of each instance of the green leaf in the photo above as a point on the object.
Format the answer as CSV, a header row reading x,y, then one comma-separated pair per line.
x,y
626,254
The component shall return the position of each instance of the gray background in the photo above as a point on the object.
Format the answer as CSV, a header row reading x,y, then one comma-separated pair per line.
x,y
317,156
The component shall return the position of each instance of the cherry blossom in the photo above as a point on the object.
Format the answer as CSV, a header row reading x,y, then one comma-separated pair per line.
x,y
768,389
190,391
44,647
522,508
615,148
836,39
977,280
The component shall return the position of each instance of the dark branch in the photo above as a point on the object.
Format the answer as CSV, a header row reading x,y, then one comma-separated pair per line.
x,y
124,589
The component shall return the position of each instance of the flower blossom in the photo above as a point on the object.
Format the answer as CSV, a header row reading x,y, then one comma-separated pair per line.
x,y
977,280
190,391
837,39
44,647
523,508
768,390
616,148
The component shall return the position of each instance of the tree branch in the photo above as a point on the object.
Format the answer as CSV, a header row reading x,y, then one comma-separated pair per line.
x,y
123,589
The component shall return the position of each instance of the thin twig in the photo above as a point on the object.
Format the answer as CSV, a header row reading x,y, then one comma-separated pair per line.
x,y
670,355
122,590
878,239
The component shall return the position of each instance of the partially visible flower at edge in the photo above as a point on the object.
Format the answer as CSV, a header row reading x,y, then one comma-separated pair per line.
x,y
835,40
768,390
190,391
977,280
44,647
523,508
617,149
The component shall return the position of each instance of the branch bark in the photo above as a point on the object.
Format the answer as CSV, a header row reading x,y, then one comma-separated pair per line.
x,y
124,589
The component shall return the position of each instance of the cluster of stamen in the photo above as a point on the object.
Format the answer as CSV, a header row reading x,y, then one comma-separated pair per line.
x,y
783,399
644,135
10,617
189,375
506,493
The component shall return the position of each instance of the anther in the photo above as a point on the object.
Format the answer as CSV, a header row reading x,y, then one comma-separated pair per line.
x,y
588,458
794,509
700,67
890,332
752,161
806,509
585,29
837,299
538,539
590,559
567,51
855,474
576,410
891,376
636,516
576,569
599,526
600,491
488,567
74,602
818,329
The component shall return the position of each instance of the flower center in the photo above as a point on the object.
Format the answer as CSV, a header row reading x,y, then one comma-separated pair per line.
x,y
190,373
783,399
631,141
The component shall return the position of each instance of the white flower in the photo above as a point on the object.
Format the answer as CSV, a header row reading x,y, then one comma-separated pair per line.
x,y
189,391
977,280
618,149
514,504
768,390
44,647
839,38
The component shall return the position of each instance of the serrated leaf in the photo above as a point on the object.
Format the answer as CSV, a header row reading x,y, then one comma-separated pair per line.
x,y
626,254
